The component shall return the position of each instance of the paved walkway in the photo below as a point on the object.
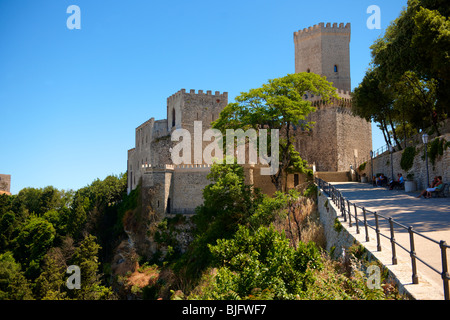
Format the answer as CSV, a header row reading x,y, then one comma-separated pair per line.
x,y
430,217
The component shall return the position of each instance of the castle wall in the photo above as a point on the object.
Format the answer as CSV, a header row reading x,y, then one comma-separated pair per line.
x,y
191,107
336,51
149,148
319,145
354,140
156,184
187,189
306,53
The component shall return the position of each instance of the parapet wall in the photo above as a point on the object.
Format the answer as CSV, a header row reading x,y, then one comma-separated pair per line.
x,y
200,92
322,28
344,100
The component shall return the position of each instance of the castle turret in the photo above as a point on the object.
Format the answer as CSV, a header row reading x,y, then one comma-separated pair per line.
x,y
183,108
337,137
325,50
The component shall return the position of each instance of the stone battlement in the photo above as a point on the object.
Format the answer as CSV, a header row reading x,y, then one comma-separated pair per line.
x,y
174,166
322,28
343,94
181,92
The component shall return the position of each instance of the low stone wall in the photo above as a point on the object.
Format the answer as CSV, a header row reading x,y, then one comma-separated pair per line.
x,y
342,176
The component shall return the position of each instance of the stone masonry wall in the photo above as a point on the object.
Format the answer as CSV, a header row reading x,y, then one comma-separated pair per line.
x,y
335,136
187,189
319,145
354,139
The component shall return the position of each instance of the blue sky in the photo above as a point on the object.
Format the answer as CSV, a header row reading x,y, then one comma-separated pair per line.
x,y
71,99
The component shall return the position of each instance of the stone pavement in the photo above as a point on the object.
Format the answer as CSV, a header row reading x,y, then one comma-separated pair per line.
x,y
430,217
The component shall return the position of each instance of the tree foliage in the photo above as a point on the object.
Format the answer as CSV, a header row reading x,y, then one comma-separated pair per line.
x,y
278,105
42,231
410,67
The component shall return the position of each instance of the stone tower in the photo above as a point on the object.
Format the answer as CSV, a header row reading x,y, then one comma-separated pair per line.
x,y
325,50
338,139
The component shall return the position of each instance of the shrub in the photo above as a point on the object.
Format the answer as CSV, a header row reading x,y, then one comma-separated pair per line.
x,y
260,263
407,160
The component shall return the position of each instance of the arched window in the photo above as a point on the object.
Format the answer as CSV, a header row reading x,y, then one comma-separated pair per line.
x,y
335,68
173,117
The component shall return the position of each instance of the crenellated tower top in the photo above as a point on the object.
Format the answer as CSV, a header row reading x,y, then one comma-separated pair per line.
x,y
325,50
322,28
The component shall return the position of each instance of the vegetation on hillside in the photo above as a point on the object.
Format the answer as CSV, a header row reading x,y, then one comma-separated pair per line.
x,y
246,245
43,231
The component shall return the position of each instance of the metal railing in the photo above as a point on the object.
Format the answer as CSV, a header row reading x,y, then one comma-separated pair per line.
x,y
345,207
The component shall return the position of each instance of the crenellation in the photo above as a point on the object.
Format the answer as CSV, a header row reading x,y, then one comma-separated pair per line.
x,y
192,92
322,28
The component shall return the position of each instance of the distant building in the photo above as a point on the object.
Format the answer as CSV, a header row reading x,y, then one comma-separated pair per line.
x,y
5,184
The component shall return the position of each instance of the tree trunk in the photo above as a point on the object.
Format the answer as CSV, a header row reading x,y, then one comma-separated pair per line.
x,y
393,131
385,131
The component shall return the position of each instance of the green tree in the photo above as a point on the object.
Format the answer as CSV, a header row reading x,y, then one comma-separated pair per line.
x,y
33,241
279,105
262,261
7,227
13,284
86,258
413,62
374,103
50,283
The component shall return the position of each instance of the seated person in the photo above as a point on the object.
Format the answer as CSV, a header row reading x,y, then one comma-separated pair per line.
x,y
399,182
438,185
381,180
433,183
374,180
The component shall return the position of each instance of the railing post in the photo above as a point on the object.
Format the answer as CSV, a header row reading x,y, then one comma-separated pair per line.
x,y
415,277
445,276
377,229
349,214
394,255
356,219
365,224
343,207
331,194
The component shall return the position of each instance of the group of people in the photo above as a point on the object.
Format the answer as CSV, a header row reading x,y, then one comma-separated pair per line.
x,y
382,180
379,181
436,185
